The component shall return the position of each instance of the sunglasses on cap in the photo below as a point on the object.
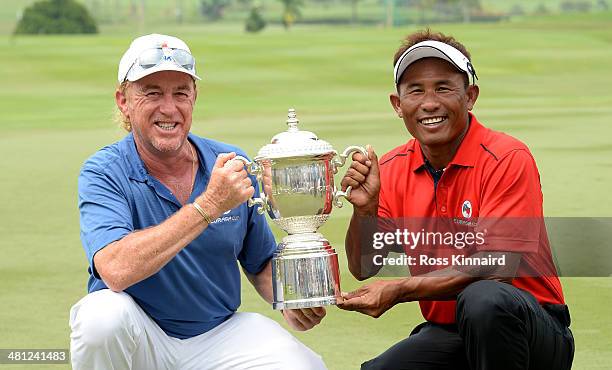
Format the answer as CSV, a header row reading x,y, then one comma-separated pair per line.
x,y
153,57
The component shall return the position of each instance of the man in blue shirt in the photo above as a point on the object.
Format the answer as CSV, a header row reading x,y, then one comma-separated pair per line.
x,y
163,224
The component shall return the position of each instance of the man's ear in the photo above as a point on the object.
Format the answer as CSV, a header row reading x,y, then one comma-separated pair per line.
x,y
394,99
472,93
121,101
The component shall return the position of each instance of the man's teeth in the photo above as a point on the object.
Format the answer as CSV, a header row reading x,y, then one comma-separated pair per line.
x,y
432,121
165,125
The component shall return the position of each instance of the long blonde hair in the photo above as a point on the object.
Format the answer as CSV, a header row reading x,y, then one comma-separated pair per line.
x,y
120,118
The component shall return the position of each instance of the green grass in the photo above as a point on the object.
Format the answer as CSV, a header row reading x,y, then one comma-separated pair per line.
x,y
545,81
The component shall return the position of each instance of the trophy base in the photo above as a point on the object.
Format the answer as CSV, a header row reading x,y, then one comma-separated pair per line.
x,y
305,303
305,272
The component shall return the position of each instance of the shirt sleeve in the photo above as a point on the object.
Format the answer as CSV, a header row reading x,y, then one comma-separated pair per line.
x,y
105,214
383,204
511,205
259,243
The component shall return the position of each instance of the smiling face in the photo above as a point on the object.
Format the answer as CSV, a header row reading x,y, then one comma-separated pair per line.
x,y
159,108
433,101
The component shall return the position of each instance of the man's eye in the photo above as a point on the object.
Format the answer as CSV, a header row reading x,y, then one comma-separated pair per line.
x,y
153,93
443,89
415,91
182,95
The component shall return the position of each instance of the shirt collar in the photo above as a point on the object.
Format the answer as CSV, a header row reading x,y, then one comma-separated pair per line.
x,y
137,170
418,160
466,154
468,150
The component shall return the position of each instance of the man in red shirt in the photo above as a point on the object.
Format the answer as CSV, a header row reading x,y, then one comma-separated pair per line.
x,y
506,316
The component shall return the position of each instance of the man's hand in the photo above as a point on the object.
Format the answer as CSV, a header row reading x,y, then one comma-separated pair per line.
x,y
229,185
372,299
304,318
364,178
298,319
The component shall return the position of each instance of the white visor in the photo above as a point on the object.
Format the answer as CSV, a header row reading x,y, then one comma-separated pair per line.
x,y
433,49
172,55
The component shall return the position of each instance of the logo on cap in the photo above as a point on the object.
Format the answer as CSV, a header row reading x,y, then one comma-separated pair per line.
x,y
466,209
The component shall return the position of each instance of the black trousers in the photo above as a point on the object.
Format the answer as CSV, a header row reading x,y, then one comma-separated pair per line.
x,y
499,327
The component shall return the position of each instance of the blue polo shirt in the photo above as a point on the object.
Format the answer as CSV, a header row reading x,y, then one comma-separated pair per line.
x,y
200,287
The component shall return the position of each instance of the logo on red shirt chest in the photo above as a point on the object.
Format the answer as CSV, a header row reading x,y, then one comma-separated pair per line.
x,y
466,209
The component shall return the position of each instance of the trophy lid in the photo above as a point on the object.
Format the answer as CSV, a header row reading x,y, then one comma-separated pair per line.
x,y
294,142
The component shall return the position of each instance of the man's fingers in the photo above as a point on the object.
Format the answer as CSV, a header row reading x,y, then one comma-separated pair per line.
x,y
247,182
223,158
235,164
345,307
347,181
356,293
312,315
250,192
296,324
353,304
236,178
353,174
358,157
373,158
319,311
298,318
354,177
360,168
312,319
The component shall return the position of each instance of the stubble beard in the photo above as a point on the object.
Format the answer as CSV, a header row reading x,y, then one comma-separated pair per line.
x,y
166,147
161,146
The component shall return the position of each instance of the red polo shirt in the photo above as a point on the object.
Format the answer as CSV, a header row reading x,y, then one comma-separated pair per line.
x,y
492,175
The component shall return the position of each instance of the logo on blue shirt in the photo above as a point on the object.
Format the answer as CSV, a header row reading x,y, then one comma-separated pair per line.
x,y
226,217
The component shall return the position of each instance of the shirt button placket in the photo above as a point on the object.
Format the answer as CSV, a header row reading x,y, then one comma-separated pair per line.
x,y
442,196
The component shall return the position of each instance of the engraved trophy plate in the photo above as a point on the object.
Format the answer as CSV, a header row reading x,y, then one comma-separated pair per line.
x,y
296,177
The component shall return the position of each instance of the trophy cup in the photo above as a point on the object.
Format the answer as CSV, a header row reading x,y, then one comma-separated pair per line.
x,y
296,177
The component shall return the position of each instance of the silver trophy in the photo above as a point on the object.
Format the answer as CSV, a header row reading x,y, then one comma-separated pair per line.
x,y
296,177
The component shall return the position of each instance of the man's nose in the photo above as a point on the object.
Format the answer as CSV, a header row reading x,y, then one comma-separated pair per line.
x,y
430,103
168,105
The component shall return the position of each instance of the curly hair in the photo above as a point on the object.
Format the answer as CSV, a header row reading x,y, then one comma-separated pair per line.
x,y
120,118
427,34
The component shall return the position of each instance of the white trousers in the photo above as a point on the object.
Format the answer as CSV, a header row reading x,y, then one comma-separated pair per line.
x,y
110,331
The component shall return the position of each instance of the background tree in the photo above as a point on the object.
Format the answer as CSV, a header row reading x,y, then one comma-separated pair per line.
x,y
255,22
56,16
602,5
213,9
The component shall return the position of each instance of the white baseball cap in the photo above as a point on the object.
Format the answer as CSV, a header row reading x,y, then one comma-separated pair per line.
x,y
153,53
433,49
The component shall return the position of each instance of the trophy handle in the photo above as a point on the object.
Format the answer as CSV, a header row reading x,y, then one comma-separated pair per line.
x,y
341,194
254,168
345,154
337,163
261,202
